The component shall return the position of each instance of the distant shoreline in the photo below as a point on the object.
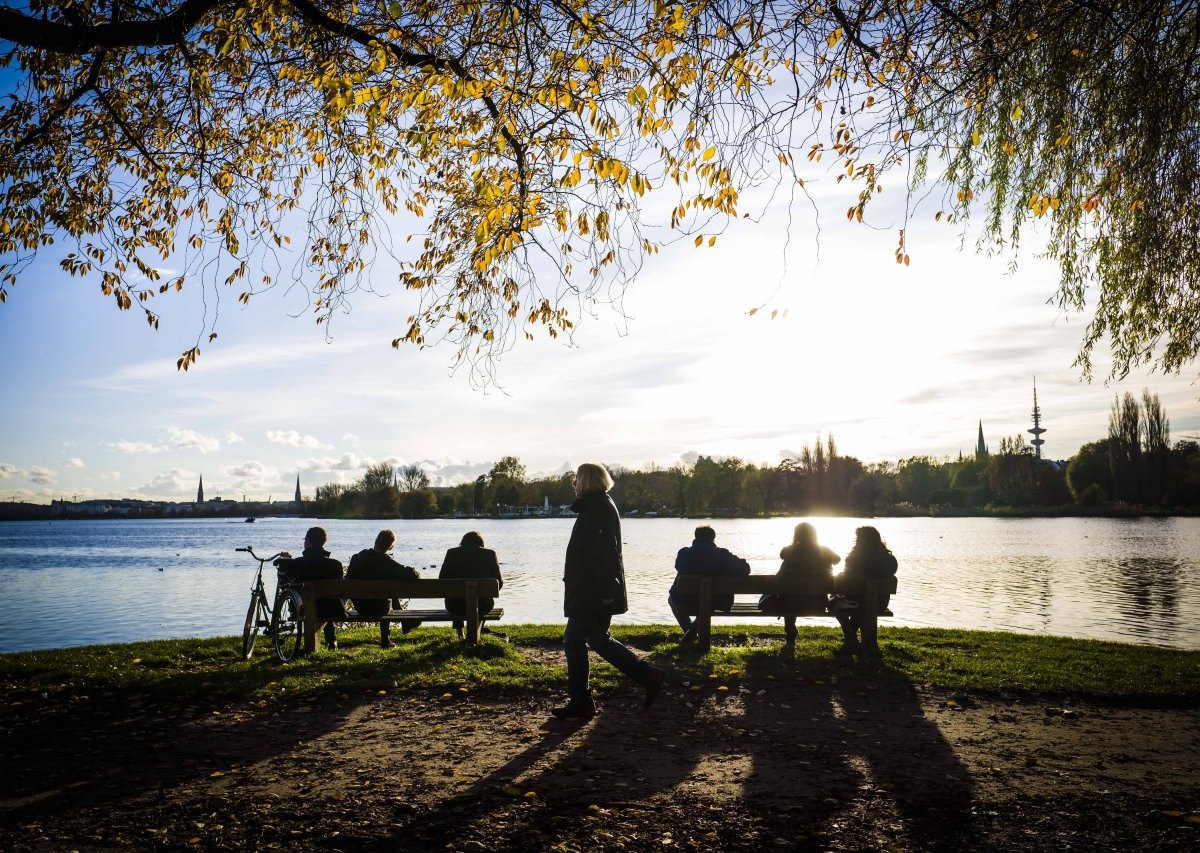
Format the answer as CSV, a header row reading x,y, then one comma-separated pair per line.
x,y
40,512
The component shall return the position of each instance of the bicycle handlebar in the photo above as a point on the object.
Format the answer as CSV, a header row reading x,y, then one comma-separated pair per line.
x,y
249,550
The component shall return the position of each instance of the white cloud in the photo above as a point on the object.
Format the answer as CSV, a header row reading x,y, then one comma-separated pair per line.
x,y
111,475
350,439
254,476
74,462
291,438
233,438
189,438
251,469
347,462
41,476
171,483
135,446
7,469
451,472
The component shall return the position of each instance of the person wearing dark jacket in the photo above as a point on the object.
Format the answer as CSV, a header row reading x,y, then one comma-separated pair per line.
x,y
869,559
702,557
375,564
315,564
804,558
594,579
470,560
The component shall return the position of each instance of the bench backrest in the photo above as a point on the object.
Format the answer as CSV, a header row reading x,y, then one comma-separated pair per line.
x,y
425,588
759,584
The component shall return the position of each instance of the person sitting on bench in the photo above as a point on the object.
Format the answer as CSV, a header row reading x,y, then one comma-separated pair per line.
x,y
702,557
375,564
807,559
869,559
470,560
315,564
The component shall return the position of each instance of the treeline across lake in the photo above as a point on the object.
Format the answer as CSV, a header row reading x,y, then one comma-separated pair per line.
x,y
1135,468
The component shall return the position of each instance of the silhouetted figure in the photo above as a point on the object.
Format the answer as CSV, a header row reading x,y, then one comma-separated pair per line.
x,y
807,559
315,564
375,564
594,579
470,560
702,557
869,559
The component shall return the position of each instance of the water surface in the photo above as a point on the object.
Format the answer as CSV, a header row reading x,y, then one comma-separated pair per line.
x,y
68,583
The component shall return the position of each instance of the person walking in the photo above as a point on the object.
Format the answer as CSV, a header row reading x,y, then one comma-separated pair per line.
x,y
594,581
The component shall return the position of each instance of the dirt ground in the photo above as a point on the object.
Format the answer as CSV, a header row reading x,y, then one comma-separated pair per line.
x,y
853,760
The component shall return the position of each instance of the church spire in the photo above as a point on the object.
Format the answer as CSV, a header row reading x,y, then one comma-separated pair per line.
x,y
981,448
200,491
298,499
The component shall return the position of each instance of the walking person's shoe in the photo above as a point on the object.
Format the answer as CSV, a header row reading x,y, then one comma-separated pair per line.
x,y
653,684
576,709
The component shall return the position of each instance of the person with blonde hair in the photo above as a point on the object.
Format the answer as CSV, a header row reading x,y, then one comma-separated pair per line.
x,y
594,580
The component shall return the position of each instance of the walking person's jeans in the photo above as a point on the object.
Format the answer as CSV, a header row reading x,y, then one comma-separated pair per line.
x,y
584,632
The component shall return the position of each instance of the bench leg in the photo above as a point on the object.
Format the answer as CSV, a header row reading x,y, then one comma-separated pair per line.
x,y
869,620
704,616
312,642
473,624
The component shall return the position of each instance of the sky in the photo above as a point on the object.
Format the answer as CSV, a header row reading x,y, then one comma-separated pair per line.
x,y
892,361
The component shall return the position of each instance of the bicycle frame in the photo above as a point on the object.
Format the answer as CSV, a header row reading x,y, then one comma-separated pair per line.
x,y
259,616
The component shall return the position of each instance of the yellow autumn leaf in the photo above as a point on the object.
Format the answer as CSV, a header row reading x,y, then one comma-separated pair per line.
x,y
1017,113
709,152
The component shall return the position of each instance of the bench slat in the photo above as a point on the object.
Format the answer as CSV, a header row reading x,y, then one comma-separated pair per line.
x,y
471,590
424,588
704,587
759,584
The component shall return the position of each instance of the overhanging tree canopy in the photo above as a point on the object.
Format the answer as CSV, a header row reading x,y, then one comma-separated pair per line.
x,y
518,141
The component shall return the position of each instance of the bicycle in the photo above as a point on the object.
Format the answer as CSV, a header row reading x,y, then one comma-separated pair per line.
x,y
283,622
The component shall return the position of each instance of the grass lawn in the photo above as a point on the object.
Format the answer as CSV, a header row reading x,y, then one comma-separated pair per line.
x,y
432,658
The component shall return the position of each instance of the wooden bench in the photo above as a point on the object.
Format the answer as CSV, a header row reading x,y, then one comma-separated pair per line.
x,y
470,589
705,587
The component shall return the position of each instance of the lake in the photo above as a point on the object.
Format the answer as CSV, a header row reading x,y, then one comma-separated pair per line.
x,y
1133,580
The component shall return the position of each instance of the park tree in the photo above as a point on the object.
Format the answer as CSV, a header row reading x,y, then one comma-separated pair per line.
x,y
1089,475
1125,449
237,145
412,478
505,482
1010,473
918,477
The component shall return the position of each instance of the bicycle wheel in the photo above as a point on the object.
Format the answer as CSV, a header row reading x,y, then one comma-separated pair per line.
x,y
287,625
250,631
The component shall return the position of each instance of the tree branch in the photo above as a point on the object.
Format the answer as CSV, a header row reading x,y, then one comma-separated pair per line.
x,y
56,37
58,112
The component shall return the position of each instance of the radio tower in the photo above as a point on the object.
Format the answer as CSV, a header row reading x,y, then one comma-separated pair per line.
x,y
1037,430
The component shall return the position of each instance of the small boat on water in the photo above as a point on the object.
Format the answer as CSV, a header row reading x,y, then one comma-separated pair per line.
x,y
251,520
